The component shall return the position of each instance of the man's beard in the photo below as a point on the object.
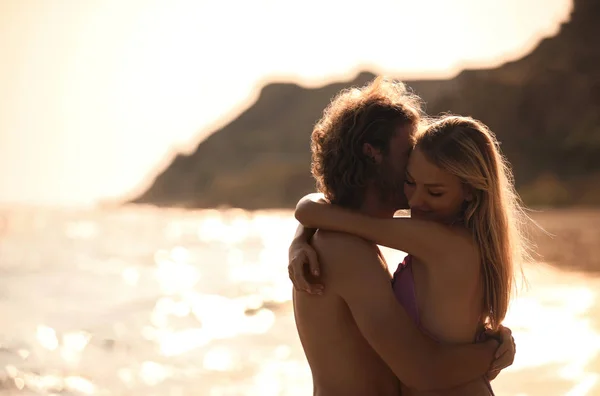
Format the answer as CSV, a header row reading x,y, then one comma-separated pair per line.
x,y
390,185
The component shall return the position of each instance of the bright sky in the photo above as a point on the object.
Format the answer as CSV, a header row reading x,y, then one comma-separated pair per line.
x,y
95,93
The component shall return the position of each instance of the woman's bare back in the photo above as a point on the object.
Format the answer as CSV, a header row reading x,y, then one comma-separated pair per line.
x,y
447,302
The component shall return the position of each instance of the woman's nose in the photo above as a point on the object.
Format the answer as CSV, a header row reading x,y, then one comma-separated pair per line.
x,y
416,200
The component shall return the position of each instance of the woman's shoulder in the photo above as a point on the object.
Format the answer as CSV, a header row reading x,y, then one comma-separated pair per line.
x,y
461,253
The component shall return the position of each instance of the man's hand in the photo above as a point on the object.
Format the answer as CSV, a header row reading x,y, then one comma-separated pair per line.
x,y
505,355
303,267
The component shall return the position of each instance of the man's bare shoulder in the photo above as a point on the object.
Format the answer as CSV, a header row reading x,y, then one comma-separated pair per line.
x,y
340,244
344,256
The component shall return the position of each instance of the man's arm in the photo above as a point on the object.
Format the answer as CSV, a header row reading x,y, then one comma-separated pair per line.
x,y
354,273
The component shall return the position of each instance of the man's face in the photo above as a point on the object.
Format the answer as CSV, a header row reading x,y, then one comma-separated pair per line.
x,y
391,170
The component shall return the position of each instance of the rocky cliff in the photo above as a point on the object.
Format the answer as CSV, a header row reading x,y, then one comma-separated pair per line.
x,y
545,108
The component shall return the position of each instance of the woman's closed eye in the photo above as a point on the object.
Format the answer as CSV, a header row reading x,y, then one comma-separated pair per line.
x,y
409,182
435,193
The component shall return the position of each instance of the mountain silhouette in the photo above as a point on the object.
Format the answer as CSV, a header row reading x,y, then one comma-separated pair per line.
x,y
544,108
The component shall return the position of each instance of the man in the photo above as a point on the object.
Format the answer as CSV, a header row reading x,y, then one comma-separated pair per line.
x,y
357,338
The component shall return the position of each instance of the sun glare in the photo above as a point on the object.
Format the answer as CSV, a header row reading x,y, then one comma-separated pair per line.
x,y
97,93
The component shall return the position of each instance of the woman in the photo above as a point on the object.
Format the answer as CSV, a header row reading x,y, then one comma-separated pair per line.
x,y
464,237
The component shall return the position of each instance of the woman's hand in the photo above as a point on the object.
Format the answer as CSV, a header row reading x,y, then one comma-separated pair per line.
x,y
505,355
303,267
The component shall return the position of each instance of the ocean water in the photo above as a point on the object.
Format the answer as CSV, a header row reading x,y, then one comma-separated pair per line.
x,y
144,301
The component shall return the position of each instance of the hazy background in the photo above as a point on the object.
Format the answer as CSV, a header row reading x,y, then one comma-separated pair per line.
x,y
101,101
96,93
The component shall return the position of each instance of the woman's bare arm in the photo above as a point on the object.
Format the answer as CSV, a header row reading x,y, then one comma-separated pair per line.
x,y
301,256
421,238
303,235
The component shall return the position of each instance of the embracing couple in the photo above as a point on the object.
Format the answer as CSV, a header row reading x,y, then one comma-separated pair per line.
x,y
434,327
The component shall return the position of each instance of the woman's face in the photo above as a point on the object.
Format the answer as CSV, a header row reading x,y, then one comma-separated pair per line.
x,y
433,193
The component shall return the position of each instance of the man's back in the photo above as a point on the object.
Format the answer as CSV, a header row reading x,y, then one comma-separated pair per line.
x,y
341,359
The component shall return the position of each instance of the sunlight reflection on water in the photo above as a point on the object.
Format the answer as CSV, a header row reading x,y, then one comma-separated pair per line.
x,y
553,325
144,301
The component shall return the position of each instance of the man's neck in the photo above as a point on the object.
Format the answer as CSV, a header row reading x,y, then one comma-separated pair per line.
x,y
374,206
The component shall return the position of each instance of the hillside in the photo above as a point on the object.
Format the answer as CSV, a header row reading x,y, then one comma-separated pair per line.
x,y
545,108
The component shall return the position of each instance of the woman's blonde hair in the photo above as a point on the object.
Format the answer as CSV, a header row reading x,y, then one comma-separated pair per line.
x,y
495,216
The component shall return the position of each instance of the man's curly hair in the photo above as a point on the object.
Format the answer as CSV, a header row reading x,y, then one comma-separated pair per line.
x,y
370,114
